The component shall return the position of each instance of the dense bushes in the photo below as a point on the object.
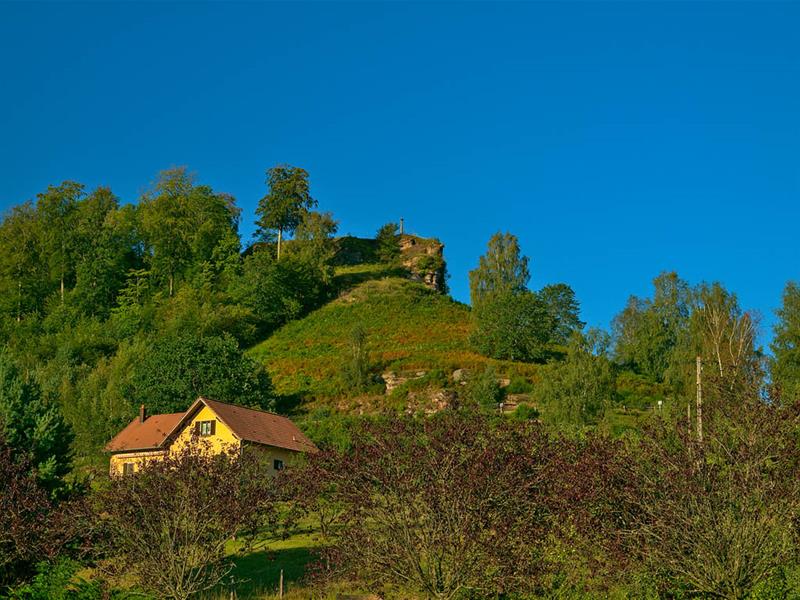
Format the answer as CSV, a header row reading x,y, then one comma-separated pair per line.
x,y
168,528
460,504
467,506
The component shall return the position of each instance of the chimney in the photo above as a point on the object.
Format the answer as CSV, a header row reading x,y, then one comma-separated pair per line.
x,y
141,414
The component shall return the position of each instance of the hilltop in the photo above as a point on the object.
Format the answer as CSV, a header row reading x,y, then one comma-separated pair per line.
x,y
413,333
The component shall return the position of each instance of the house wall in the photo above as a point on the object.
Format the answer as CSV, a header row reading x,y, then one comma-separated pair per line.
x,y
223,438
137,459
270,453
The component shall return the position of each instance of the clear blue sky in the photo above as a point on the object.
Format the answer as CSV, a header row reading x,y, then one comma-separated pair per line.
x,y
616,140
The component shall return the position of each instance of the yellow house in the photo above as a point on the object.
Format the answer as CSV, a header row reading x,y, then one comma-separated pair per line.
x,y
218,425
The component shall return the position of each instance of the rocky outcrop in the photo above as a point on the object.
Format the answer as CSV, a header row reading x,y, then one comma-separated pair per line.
x,y
424,259
394,380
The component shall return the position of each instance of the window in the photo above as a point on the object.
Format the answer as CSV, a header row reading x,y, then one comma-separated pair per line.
x,y
277,464
205,428
128,468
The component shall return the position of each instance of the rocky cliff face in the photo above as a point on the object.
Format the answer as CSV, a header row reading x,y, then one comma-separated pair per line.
x,y
422,258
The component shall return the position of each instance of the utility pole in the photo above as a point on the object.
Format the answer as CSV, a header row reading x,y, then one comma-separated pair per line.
x,y
699,365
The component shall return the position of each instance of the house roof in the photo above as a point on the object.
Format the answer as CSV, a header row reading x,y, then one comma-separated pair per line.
x,y
147,435
261,427
247,424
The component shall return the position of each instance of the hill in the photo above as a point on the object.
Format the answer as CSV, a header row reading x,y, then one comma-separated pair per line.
x,y
410,329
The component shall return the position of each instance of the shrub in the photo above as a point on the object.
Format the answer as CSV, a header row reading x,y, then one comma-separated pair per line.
x,y
463,505
484,390
519,385
526,412
388,243
169,526
718,516
29,525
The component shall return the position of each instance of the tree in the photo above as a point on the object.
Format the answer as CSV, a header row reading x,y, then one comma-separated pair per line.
x,y
564,311
24,273
279,291
725,335
169,526
512,325
786,345
287,198
177,369
717,518
442,506
56,208
651,336
182,224
388,242
578,390
34,429
355,368
502,269
26,515
313,242
106,241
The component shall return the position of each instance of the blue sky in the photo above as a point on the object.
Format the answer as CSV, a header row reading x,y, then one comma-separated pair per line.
x,y
617,140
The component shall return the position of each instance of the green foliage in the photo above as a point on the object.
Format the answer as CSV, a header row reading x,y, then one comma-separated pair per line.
x,y
484,390
278,291
183,224
526,412
177,369
288,198
564,311
501,270
410,327
388,242
59,581
651,336
33,428
634,391
356,365
519,385
313,243
433,379
576,392
786,345
329,428
512,325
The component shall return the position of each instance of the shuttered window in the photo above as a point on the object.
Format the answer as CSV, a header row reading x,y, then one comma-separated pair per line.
x,y
205,428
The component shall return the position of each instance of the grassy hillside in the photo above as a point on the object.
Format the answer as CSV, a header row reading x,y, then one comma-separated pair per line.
x,y
409,327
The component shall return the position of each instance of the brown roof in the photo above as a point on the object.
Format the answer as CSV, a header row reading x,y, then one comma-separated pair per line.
x,y
144,436
247,424
261,427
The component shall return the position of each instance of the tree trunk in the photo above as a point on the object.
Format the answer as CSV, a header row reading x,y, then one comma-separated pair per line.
x,y
280,239
171,284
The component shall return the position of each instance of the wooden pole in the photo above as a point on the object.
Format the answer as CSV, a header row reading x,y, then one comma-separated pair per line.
x,y
280,586
699,366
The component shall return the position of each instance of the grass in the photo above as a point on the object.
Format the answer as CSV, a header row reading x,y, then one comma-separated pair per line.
x,y
409,327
